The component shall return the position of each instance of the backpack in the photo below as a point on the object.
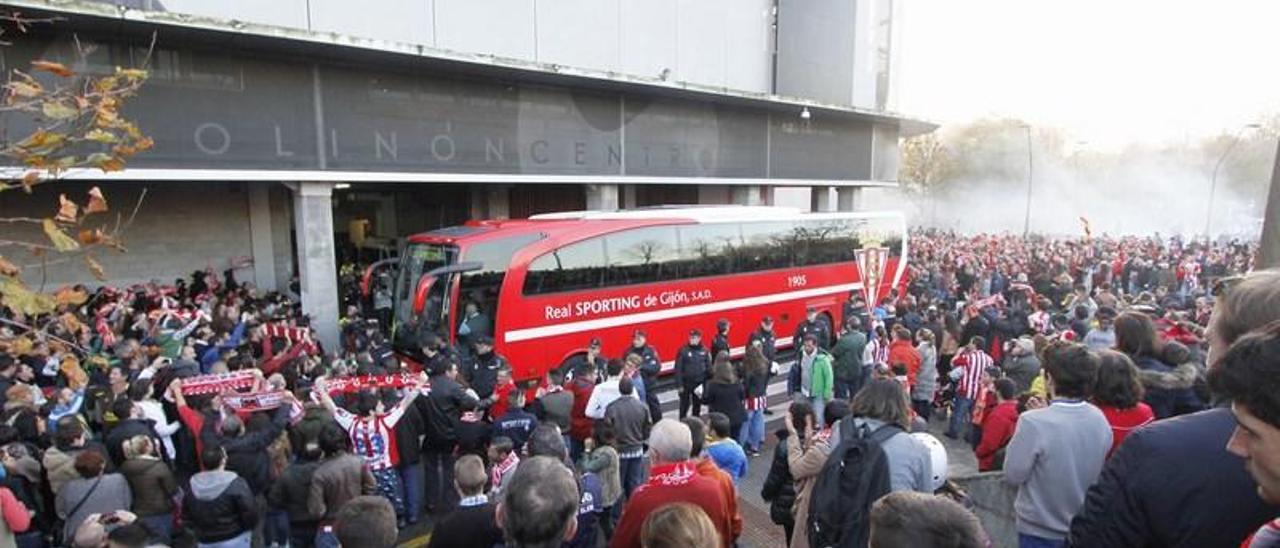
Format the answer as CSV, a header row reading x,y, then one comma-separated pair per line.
x,y
855,475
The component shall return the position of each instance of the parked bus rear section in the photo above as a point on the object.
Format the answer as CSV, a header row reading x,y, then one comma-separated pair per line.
x,y
544,287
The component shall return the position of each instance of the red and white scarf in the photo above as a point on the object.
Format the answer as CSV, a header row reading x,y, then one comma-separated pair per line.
x,y
671,475
362,382
500,469
291,334
757,402
255,401
218,384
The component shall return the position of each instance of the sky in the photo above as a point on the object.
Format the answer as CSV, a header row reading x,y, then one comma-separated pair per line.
x,y
1110,72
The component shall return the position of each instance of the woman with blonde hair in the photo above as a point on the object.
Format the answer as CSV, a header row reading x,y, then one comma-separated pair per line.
x,y
152,484
679,525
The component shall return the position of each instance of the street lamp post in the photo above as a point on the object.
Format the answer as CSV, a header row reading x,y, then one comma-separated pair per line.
x,y
1213,179
1026,218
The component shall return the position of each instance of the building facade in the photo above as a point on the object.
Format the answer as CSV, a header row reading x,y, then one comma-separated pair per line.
x,y
305,134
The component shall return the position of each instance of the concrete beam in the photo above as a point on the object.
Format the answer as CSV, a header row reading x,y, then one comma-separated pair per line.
x,y
602,197
317,265
848,198
261,236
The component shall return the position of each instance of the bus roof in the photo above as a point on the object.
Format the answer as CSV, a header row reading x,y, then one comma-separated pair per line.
x,y
559,224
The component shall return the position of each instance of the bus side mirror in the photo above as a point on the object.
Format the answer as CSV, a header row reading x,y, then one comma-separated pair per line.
x,y
420,293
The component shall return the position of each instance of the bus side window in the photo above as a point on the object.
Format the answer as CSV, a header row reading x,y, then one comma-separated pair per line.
x,y
709,249
643,255
575,266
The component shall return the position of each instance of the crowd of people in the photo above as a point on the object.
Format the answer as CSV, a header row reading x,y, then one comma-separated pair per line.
x,y
1091,371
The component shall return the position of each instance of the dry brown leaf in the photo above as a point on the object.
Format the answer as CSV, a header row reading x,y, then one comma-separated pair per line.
x,y
8,268
97,203
89,236
67,210
95,268
113,164
70,323
68,295
29,179
52,67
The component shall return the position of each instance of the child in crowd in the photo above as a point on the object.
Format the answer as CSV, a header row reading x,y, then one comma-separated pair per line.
x,y
515,423
723,450
473,431
601,459
504,459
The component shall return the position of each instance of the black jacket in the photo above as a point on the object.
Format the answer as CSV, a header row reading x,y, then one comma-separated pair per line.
x,y
693,364
481,373
440,413
408,430
818,328
219,506
467,527
289,493
650,367
725,398
125,430
720,344
1172,484
769,343
779,488
247,454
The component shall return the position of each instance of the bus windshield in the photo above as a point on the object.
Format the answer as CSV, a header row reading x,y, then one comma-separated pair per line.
x,y
418,260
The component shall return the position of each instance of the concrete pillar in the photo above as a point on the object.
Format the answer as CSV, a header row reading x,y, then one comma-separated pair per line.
x,y
602,197
629,200
820,199
317,267
848,198
748,195
1269,246
260,236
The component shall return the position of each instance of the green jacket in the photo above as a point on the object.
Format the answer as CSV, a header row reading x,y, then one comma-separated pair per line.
x,y
848,354
821,378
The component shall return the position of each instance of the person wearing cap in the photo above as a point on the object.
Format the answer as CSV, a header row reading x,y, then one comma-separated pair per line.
x,y
693,363
767,339
815,325
592,359
721,341
650,366
481,371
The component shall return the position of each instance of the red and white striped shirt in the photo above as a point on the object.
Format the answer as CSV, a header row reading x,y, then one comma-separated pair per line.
x,y
972,364
374,439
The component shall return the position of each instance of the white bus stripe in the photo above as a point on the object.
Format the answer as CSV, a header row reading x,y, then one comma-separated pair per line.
x,y
658,315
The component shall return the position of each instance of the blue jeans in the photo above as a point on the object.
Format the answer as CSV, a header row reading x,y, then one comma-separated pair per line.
x,y
243,541
160,525
961,412
325,538
1031,541
411,480
631,472
819,408
753,430
276,528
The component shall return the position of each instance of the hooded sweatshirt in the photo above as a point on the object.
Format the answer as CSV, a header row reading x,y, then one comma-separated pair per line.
x,y
219,506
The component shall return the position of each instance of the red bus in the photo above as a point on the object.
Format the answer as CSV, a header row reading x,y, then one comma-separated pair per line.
x,y
545,286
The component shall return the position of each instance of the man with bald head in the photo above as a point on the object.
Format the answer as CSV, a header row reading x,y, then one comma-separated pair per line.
x,y
672,478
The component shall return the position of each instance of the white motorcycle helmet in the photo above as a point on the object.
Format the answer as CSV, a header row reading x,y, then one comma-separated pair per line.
x,y
938,457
